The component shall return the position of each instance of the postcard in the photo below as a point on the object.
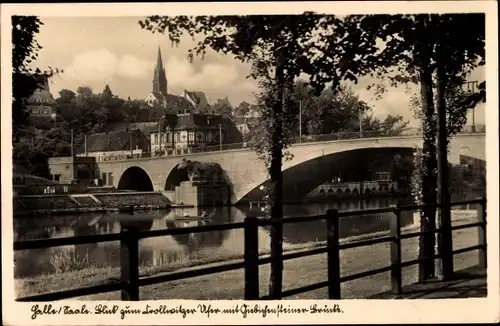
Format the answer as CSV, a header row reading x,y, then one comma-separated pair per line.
x,y
250,163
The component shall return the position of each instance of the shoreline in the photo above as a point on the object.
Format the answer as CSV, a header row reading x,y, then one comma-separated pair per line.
x,y
80,210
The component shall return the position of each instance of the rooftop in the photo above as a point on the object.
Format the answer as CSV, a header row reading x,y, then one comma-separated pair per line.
x,y
108,141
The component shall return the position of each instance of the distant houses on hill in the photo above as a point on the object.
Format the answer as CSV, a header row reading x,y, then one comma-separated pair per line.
x,y
164,124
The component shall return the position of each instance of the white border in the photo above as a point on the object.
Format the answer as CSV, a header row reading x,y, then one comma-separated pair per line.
x,y
355,311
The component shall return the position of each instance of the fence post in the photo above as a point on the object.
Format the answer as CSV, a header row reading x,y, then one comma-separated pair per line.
x,y
396,281
481,234
333,251
129,263
251,257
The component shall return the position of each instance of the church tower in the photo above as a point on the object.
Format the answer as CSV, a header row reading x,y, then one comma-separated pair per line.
x,y
159,77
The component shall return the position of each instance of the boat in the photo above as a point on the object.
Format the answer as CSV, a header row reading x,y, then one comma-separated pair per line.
x,y
203,216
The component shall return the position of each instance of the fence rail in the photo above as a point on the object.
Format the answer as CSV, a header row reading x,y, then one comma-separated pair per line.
x,y
129,237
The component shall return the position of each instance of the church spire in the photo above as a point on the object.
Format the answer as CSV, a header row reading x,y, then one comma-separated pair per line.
x,y
107,91
159,78
159,62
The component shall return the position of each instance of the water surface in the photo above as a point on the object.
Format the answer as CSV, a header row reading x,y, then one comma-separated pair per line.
x,y
162,251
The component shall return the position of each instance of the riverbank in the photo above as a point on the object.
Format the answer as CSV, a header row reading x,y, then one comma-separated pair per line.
x,y
81,210
230,285
89,203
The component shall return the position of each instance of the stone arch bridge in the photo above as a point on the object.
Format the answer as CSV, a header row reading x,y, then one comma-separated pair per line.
x,y
311,165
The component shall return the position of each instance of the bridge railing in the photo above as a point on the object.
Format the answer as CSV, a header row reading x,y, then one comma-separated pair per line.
x,y
129,238
295,140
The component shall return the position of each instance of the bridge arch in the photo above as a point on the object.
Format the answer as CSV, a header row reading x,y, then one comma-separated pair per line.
x,y
175,177
135,178
304,176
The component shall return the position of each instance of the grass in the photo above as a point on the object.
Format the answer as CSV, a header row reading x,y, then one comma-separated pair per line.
x,y
230,285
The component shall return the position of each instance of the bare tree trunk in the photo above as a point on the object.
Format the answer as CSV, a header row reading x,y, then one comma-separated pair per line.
x,y
276,273
429,164
445,266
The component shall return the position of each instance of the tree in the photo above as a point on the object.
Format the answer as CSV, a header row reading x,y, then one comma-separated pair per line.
x,y
328,50
392,125
279,49
66,96
459,49
25,78
333,112
326,113
131,110
416,47
405,57
242,109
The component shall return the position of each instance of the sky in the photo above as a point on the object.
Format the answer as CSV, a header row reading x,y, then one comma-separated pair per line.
x,y
95,51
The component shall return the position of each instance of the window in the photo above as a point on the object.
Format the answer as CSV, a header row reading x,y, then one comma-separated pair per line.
x,y
200,137
191,136
104,179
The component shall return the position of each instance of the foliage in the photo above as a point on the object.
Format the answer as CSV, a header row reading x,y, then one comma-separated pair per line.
x,y
458,102
83,112
279,48
329,113
25,78
242,109
410,49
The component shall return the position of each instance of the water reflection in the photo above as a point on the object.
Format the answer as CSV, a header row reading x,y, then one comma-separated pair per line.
x,y
177,249
305,232
195,241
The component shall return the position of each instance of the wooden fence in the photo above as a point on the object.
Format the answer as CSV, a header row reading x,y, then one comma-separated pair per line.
x,y
130,281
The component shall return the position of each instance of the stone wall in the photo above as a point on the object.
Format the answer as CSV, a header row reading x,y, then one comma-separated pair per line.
x,y
60,203
202,194
117,200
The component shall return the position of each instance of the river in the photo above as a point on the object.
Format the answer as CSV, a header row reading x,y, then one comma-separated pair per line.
x,y
161,251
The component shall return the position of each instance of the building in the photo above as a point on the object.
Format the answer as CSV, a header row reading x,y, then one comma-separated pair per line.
x,y
160,84
245,125
114,144
198,100
42,106
145,127
191,132
159,96
161,100
77,169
